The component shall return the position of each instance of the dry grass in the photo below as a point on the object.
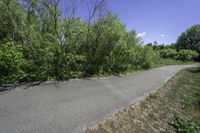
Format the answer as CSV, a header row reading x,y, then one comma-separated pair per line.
x,y
178,97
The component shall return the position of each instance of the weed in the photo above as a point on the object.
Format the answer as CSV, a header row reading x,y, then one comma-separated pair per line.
x,y
184,126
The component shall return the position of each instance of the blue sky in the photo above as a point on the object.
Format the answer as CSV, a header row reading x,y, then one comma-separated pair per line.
x,y
154,20
157,20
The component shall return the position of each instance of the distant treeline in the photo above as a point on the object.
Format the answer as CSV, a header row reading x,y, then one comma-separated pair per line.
x,y
188,42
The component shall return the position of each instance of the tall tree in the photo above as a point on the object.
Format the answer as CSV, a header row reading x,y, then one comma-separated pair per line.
x,y
190,39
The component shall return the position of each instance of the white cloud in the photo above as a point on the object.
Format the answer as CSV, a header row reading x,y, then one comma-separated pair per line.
x,y
162,35
141,34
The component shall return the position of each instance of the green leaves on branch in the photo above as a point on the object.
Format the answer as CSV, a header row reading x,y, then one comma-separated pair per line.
x,y
11,63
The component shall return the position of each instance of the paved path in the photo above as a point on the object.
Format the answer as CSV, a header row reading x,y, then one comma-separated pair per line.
x,y
70,106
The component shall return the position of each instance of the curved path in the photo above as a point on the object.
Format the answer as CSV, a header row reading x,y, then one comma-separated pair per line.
x,y
68,107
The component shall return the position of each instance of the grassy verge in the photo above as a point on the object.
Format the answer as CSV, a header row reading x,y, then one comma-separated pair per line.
x,y
159,63
163,62
173,108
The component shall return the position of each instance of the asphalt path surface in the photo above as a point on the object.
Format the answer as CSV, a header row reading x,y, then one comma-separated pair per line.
x,y
70,106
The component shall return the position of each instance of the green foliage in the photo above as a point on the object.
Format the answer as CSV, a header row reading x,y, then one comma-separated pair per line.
x,y
11,20
148,57
190,39
184,126
121,59
53,47
75,34
104,38
72,67
182,55
187,55
168,53
11,63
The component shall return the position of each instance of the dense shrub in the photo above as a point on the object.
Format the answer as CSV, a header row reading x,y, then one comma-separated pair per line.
x,y
11,63
182,55
55,47
187,55
105,37
72,67
148,57
168,53
121,59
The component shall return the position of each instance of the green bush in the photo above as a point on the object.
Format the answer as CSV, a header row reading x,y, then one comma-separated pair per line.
x,y
11,64
182,55
186,55
106,36
148,57
168,53
73,66
58,47
122,59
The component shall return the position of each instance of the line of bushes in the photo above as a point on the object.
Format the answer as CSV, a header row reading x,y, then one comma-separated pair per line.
x,y
182,55
15,68
38,43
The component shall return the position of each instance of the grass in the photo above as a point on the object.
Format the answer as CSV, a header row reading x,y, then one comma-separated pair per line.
x,y
163,62
175,107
